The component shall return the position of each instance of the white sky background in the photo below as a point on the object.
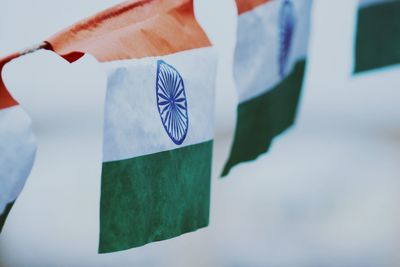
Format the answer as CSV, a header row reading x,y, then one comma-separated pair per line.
x,y
326,195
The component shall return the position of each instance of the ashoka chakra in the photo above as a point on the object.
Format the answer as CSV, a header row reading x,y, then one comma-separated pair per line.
x,y
287,21
171,102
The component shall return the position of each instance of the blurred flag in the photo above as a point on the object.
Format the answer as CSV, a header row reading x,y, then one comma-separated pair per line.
x,y
269,64
378,34
17,148
158,118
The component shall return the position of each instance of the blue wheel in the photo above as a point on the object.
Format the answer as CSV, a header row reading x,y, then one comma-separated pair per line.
x,y
287,24
171,102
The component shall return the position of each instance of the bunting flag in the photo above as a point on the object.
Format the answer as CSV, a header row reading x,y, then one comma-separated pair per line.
x,y
17,148
158,131
269,63
378,35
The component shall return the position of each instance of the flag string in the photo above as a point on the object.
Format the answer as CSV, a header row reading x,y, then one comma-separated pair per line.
x,y
32,49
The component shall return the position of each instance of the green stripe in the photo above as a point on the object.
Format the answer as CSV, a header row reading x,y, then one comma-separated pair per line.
x,y
378,36
262,118
3,216
154,197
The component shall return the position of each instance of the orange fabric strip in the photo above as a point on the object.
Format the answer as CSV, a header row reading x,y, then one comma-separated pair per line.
x,y
247,5
6,100
135,29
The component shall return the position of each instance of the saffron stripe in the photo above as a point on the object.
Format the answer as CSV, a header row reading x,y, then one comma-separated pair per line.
x,y
6,100
135,29
247,5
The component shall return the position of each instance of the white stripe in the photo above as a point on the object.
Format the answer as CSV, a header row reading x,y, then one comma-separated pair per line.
x,y
256,68
132,122
364,3
17,152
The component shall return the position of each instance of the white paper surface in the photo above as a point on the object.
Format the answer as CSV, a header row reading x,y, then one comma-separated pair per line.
x,y
132,121
17,153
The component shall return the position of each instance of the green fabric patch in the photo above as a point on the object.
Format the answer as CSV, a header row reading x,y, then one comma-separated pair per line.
x,y
154,197
3,216
378,36
262,118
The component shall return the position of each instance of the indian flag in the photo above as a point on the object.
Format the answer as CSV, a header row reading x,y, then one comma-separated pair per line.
x,y
269,63
17,148
158,131
378,35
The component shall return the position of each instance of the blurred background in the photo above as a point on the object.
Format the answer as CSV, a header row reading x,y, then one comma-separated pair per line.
x,y
327,194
